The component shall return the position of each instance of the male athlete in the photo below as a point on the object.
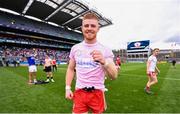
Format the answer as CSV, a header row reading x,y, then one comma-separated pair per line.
x,y
152,71
32,67
91,61
48,68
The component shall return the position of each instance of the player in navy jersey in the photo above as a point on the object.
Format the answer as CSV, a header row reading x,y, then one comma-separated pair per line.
x,y
32,67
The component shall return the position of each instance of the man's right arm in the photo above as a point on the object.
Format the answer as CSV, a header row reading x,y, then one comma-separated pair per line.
x,y
69,78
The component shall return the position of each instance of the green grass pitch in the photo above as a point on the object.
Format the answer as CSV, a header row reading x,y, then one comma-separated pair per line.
x,y
124,95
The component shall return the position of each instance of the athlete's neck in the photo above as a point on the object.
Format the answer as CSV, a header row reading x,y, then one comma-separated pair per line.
x,y
90,41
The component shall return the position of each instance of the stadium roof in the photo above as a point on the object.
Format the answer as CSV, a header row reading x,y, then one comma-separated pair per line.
x,y
65,13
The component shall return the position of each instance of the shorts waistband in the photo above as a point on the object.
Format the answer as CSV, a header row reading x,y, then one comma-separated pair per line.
x,y
87,89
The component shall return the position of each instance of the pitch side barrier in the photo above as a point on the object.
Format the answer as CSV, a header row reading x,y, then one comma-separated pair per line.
x,y
37,63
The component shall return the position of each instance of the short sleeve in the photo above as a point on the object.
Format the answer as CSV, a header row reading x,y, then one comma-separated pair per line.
x,y
150,58
72,53
109,53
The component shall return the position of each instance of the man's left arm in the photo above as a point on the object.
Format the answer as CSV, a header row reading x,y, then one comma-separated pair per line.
x,y
157,69
110,68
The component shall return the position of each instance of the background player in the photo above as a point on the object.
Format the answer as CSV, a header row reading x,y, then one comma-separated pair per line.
x,y
32,67
152,70
48,68
118,62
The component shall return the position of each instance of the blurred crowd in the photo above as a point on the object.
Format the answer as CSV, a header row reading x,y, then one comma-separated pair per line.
x,y
17,55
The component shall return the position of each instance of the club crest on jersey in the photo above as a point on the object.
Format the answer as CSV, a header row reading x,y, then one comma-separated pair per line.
x,y
78,53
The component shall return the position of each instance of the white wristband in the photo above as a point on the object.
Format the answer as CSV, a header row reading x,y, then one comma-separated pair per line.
x,y
68,87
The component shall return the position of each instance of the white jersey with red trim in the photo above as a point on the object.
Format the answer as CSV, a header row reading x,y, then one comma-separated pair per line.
x,y
153,61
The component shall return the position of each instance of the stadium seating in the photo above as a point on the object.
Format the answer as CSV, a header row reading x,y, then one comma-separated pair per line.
x,y
11,54
22,23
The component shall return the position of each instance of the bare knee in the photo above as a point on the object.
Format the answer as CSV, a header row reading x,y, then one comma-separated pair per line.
x,y
156,81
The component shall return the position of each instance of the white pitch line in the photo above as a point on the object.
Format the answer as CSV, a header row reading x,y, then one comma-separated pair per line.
x,y
169,78
146,76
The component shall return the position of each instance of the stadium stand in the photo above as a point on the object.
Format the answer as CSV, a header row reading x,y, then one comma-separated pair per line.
x,y
47,26
14,55
138,51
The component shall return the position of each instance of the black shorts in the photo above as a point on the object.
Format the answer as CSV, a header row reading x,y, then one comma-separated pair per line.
x,y
54,65
47,69
173,64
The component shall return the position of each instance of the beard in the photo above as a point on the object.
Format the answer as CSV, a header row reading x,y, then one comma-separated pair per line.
x,y
89,35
